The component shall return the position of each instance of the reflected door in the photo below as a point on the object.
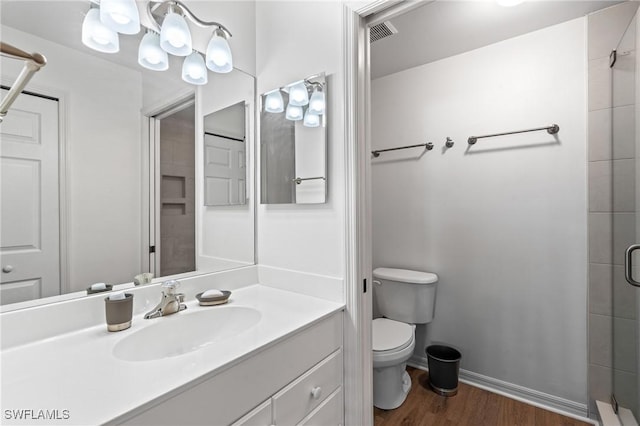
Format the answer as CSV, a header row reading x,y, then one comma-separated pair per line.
x,y
30,230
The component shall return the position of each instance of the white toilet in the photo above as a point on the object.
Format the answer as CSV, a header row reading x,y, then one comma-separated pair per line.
x,y
404,298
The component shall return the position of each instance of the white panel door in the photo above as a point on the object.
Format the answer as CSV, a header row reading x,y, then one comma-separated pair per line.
x,y
29,201
224,171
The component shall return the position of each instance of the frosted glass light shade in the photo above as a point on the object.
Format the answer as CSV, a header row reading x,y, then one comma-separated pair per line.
x,y
317,102
151,55
193,69
311,119
273,101
175,37
120,15
294,112
98,36
219,58
298,95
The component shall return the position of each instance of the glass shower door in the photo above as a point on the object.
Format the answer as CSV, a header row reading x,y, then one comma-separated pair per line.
x,y
625,185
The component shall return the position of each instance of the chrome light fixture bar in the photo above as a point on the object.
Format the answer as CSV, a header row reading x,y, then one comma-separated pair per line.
x,y
169,33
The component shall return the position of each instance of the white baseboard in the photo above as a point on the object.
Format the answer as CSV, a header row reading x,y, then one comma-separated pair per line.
x,y
520,393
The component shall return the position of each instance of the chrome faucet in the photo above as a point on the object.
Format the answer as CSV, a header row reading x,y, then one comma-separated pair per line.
x,y
170,303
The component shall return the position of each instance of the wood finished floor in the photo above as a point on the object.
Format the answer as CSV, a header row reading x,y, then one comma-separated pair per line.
x,y
470,407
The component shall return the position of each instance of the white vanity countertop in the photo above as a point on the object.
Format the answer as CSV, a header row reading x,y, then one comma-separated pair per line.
x,y
77,371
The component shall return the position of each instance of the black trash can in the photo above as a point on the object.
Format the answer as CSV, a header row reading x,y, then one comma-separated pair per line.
x,y
444,366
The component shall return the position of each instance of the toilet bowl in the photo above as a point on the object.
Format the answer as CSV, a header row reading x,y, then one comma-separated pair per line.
x,y
393,345
404,298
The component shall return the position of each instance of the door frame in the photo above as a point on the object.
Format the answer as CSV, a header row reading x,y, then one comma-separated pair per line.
x,y
150,171
63,175
357,19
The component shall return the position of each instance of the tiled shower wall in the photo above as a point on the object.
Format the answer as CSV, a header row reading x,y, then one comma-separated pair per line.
x,y
611,166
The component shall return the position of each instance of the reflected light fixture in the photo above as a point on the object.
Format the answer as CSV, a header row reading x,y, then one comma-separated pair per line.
x,y
168,33
120,15
317,101
273,101
151,55
98,36
294,112
311,119
194,70
298,94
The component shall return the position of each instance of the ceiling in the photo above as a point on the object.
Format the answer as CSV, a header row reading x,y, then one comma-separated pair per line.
x,y
442,28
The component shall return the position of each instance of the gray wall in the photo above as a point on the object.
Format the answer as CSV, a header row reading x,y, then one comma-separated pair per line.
x,y
502,223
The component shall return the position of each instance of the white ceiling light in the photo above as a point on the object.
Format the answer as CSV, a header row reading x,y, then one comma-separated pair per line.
x,y
120,15
219,58
273,101
193,69
98,36
175,37
151,55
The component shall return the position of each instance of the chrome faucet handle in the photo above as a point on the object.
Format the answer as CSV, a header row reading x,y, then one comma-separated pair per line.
x,y
171,286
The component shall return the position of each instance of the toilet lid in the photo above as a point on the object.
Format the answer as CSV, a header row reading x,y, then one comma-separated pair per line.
x,y
389,334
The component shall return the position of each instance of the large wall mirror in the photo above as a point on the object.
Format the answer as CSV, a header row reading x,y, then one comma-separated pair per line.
x,y
123,190
293,143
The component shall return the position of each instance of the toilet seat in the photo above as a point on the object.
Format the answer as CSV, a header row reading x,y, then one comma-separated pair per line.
x,y
390,336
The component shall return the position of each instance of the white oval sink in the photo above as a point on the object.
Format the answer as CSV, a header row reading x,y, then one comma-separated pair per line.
x,y
185,332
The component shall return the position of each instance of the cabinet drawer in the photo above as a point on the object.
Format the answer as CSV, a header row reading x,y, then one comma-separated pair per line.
x,y
329,413
303,395
259,416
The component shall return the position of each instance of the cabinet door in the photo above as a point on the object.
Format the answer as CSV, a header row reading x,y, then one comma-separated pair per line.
x,y
329,413
259,416
304,394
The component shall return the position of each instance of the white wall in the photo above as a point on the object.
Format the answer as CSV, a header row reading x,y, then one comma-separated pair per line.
x,y
295,40
502,223
103,104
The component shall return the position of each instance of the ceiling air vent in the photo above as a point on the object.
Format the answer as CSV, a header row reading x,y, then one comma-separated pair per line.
x,y
381,31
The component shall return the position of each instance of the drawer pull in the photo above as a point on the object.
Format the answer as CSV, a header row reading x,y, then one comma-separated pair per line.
x,y
316,392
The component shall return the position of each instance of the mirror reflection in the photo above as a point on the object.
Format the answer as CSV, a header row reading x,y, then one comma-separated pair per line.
x,y
115,187
225,177
293,140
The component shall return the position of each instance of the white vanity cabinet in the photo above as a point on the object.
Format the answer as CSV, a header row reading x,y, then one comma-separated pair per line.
x,y
305,399
297,380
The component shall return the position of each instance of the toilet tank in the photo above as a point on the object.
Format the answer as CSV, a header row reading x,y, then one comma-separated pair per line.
x,y
404,295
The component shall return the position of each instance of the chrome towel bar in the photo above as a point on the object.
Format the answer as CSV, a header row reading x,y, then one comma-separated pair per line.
x,y
428,146
298,180
552,130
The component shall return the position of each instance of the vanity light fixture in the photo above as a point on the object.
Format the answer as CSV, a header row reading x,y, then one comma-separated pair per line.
x,y
151,55
120,15
311,119
273,101
98,36
317,101
169,33
300,106
298,94
194,70
294,112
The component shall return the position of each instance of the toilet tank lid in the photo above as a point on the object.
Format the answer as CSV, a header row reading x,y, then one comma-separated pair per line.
x,y
405,275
